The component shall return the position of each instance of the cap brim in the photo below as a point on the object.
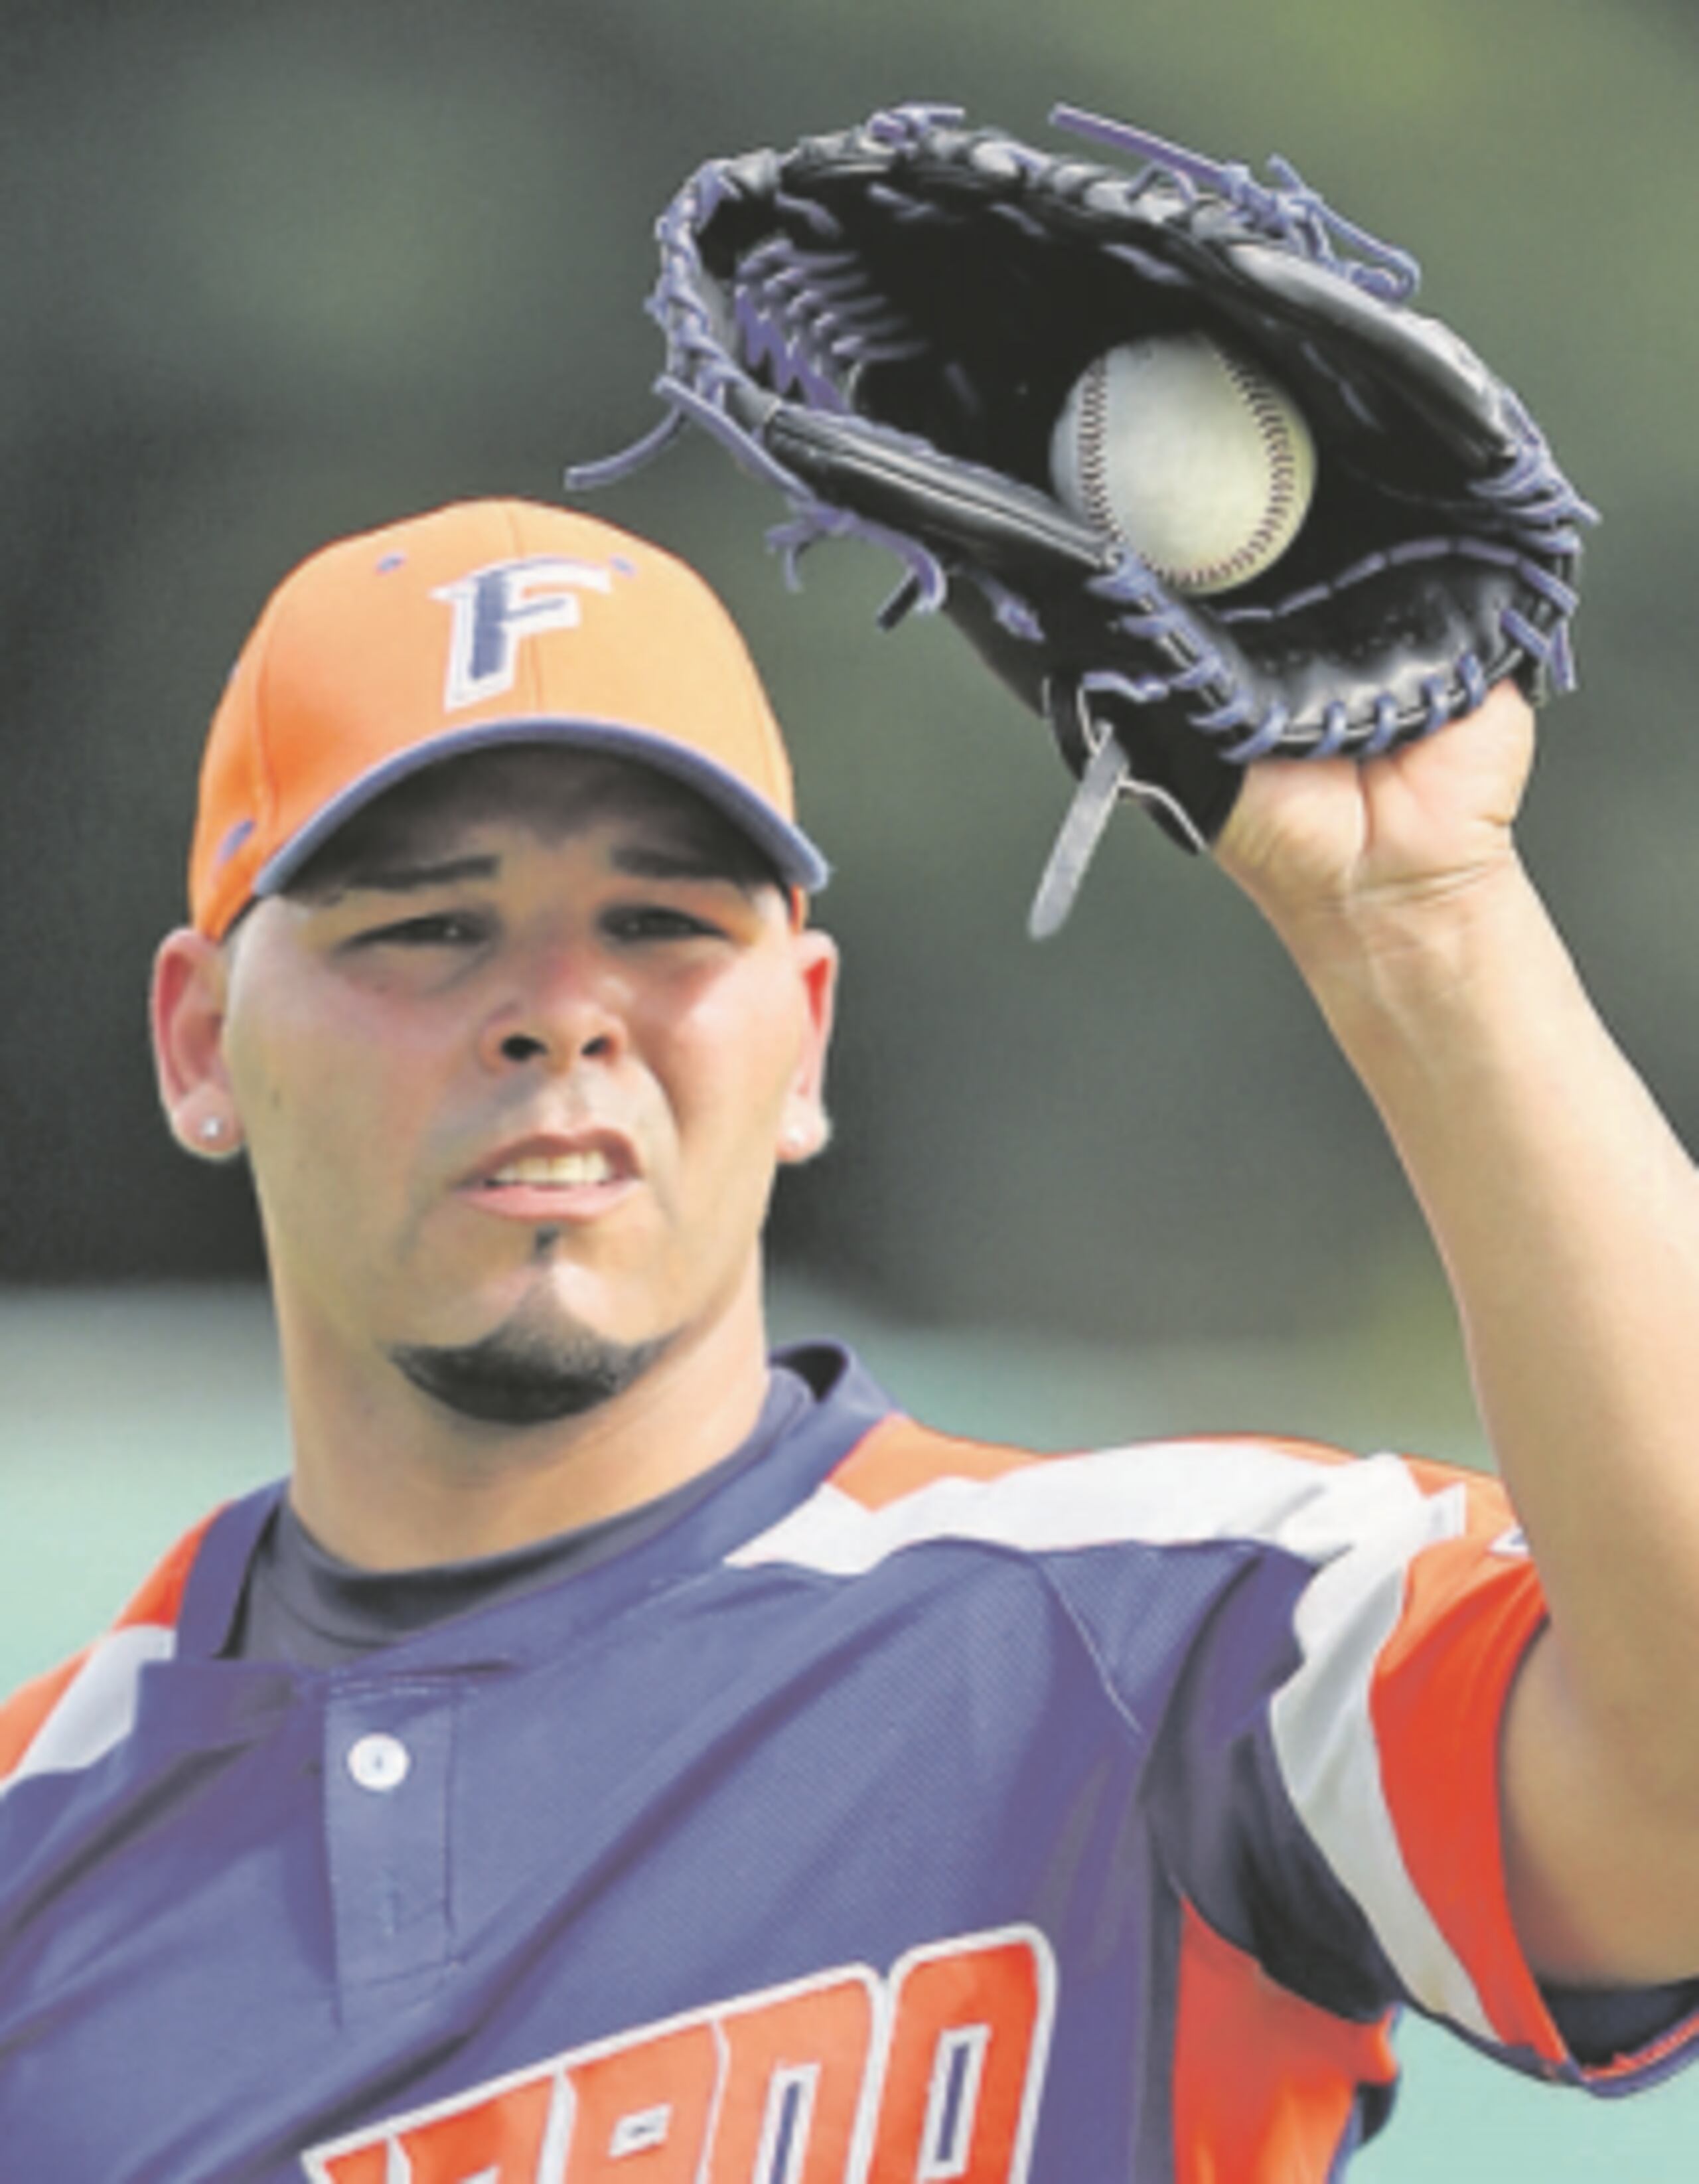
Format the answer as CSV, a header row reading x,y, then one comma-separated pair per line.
x,y
799,863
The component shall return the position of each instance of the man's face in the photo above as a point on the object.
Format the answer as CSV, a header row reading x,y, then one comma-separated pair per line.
x,y
514,1063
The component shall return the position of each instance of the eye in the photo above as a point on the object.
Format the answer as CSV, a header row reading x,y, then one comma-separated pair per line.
x,y
653,921
438,929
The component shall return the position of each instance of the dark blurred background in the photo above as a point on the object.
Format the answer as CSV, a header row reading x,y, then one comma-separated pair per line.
x,y
273,272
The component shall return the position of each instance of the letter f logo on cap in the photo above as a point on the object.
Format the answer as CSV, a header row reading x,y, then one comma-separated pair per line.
x,y
495,607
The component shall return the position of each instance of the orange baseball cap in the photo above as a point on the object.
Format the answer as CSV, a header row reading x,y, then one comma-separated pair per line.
x,y
488,622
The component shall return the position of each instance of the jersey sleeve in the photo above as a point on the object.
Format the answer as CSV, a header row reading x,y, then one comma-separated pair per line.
x,y
1336,1807
1325,1778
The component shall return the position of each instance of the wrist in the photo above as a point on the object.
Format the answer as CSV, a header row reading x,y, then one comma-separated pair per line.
x,y
1413,930
1411,964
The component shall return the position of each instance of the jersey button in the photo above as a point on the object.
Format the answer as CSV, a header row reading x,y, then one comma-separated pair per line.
x,y
378,1762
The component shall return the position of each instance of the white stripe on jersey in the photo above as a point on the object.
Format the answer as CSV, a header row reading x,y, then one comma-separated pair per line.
x,y
1360,1524
1325,1738
97,1709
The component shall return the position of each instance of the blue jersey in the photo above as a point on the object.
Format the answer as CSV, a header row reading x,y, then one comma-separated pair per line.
x,y
910,1810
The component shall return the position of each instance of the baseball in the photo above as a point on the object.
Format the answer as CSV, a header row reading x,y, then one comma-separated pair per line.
x,y
1188,452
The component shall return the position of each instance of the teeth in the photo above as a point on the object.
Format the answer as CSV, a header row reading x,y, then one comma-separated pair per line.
x,y
561,1171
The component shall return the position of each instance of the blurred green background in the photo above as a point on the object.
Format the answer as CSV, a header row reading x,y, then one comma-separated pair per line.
x,y
275,272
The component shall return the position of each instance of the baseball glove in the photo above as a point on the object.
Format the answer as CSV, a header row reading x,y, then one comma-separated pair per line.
x,y
885,323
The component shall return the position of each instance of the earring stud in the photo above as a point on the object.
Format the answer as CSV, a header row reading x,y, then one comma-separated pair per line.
x,y
211,1130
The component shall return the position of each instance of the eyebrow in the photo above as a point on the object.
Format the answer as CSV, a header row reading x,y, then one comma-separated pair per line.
x,y
652,861
404,879
647,861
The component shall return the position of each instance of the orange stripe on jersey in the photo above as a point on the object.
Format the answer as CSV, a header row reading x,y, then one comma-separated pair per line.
x,y
160,1596
899,1457
1307,1451
1265,2082
1438,1704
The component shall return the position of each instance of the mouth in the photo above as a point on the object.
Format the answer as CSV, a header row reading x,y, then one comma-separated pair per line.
x,y
552,1178
552,1171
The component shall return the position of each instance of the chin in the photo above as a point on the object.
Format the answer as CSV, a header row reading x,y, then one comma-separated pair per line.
x,y
535,1367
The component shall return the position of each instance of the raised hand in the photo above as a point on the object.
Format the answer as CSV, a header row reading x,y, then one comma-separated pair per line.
x,y
1329,847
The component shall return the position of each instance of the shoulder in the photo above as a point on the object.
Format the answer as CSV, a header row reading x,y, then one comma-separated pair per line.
x,y
68,1716
904,1484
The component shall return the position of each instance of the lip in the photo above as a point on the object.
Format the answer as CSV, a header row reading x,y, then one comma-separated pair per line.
x,y
543,1200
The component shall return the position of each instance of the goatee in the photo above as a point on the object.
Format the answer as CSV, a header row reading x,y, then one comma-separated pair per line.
x,y
524,1376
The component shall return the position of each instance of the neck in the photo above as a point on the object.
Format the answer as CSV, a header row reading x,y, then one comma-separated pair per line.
x,y
387,1478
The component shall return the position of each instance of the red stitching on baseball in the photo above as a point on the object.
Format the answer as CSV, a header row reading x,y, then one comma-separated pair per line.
x,y
1277,448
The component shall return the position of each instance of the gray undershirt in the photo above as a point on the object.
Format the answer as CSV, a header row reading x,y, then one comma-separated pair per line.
x,y
302,1604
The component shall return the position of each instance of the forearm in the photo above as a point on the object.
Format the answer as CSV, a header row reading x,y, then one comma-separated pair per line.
x,y
1567,1214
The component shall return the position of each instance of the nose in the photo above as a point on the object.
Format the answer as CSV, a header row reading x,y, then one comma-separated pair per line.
x,y
564,1006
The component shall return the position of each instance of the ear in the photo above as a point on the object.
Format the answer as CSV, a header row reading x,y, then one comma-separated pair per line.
x,y
186,1013
805,1126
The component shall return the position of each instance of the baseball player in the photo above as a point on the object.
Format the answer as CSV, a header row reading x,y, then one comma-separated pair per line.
x,y
618,1753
